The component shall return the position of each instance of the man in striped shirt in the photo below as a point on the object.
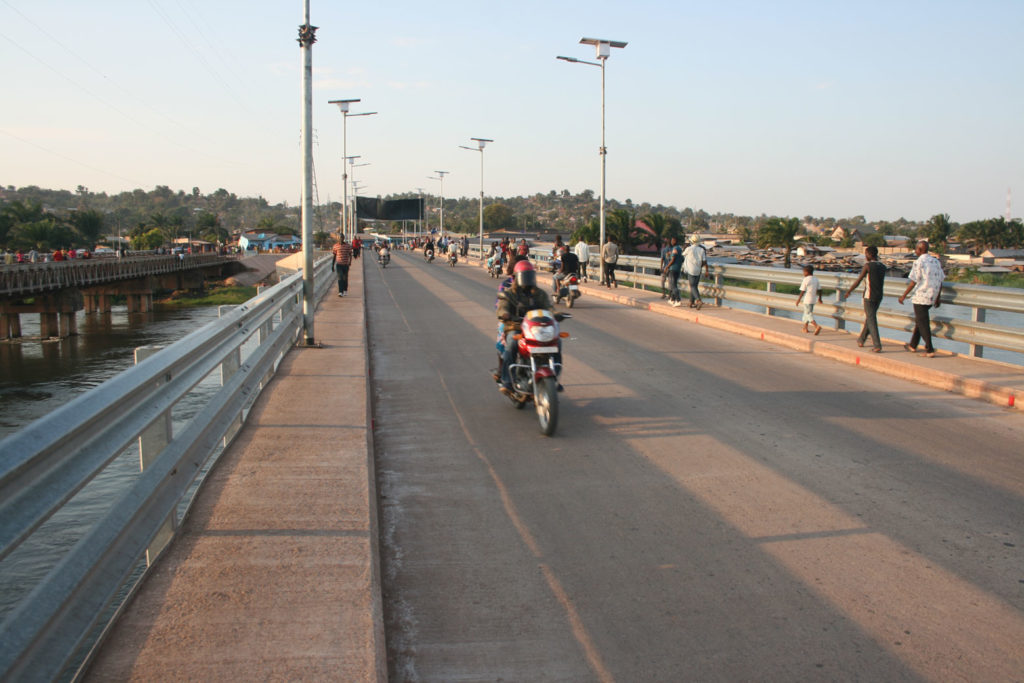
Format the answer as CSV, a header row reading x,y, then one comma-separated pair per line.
x,y
342,260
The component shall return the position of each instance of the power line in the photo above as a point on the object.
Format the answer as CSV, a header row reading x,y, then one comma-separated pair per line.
x,y
104,76
72,160
202,59
112,106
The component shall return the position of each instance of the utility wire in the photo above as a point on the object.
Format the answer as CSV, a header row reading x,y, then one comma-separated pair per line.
x,y
202,59
112,106
105,77
67,158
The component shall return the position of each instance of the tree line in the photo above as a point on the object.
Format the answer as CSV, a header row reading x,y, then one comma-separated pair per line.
x,y
33,217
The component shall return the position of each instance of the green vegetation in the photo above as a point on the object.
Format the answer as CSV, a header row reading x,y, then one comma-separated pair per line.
x,y
34,217
215,296
971,276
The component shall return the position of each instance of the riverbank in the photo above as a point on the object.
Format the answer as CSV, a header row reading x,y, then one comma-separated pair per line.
x,y
217,295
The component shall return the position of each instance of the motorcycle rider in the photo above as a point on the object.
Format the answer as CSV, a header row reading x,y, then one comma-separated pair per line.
x,y
514,302
569,263
428,249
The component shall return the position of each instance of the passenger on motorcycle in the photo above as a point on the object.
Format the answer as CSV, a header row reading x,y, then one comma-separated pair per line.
x,y
569,263
514,302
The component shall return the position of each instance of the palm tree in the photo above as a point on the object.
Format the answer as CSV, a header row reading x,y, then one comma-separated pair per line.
x,y
663,227
779,232
938,228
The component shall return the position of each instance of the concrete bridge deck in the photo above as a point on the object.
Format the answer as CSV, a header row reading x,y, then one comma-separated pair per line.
x,y
275,573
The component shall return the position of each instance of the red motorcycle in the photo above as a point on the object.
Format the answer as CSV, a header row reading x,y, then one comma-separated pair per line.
x,y
535,371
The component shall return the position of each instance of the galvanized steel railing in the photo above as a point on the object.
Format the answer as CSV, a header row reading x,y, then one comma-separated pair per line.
x,y
643,271
47,463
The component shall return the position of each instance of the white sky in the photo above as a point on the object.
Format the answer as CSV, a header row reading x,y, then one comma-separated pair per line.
x,y
886,109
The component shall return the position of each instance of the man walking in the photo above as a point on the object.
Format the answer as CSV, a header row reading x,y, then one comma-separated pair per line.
x,y
609,257
694,257
874,273
582,251
673,260
926,278
342,260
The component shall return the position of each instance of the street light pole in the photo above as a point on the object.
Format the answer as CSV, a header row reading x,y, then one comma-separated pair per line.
x,y
440,176
481,143
343,107
603,49
307,36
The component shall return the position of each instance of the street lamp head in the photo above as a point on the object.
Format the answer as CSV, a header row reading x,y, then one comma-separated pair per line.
x,y
363,113
442,173
342,104
567,59
602,46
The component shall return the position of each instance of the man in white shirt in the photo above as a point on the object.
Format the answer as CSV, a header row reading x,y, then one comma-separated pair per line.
x,y
926,276
694,257
582,251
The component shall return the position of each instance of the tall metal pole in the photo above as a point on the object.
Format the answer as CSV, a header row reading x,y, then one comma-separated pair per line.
x,y
604,172
344,171
481,199
440,174
307,36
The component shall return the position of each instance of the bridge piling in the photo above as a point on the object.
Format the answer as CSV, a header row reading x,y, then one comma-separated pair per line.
x,y
10,325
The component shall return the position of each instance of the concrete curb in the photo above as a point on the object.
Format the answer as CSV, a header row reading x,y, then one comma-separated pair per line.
x,y
376,581
939,379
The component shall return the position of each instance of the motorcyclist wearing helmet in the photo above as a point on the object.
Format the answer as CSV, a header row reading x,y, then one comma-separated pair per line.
x,y
514,302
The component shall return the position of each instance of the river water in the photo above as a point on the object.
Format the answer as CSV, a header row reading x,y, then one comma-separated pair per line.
x,y
37,376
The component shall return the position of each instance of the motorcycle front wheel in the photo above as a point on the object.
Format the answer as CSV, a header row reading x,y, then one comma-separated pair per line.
x,y
547,405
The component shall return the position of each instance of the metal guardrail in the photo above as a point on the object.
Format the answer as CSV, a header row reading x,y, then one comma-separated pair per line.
x,y
48,462
644,272
37,278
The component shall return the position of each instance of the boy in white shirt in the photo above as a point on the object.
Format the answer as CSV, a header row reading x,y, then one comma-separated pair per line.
x,y
810,289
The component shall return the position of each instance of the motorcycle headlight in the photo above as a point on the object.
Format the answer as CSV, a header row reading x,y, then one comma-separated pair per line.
x,y
545,334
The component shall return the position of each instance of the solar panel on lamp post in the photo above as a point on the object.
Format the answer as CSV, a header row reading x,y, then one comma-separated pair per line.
x,y
603,50
481,143
343,107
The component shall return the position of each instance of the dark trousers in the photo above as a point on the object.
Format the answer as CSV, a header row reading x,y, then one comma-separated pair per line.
x,y
608,276
871,324
342,272
922,327
694,281
673,285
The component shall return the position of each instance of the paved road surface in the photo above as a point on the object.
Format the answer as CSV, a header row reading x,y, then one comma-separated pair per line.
x,y
711,508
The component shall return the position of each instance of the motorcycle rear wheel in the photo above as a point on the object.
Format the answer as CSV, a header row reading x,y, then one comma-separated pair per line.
x,y
571,300
547,405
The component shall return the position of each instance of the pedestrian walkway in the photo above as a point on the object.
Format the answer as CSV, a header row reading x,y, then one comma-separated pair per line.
x,y
992,381
274,575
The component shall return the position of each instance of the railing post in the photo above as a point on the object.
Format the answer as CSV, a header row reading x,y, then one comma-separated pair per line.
x,y
228,367
152,441
978,316
719,288
770,288
840,320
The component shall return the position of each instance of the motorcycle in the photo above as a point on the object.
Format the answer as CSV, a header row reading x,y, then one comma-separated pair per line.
x,y
534,373
569,289
384,257
452,258
428,255
496,268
